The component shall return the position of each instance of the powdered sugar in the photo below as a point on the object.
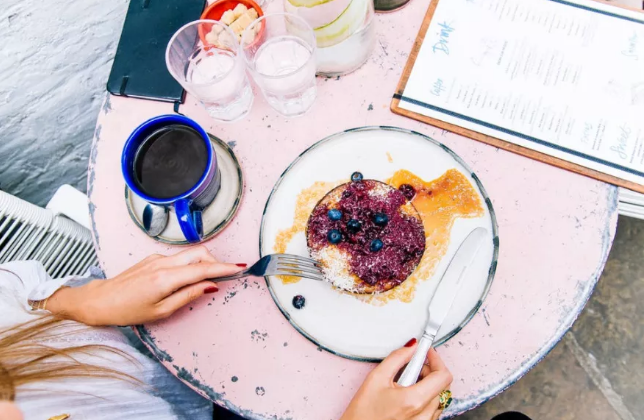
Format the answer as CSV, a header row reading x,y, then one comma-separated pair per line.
x,y
380,189
336,266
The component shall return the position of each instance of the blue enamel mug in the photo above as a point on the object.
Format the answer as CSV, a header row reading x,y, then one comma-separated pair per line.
x,y
188,205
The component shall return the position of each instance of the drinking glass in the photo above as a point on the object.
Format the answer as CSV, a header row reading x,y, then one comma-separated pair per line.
x,y
204,57
279,50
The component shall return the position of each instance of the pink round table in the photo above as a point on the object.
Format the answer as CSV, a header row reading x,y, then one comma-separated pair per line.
x,y
555,231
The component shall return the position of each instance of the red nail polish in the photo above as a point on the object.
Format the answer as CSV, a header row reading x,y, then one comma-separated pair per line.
x,y
242,265
410,342
211,289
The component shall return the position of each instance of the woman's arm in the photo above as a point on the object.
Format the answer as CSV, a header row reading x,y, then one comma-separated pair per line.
x,y
150,290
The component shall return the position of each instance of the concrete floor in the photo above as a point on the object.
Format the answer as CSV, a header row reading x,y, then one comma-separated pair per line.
x,y
597,371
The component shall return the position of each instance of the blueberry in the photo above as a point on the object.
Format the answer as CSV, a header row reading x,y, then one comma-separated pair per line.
x,y
334,236
354,225
376,245
380,219
334,214
408,191
356,177
299,301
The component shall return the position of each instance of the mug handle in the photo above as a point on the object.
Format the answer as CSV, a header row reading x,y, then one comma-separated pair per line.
x,y
190,221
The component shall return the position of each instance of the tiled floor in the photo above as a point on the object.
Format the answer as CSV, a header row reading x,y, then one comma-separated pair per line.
x,y
597,371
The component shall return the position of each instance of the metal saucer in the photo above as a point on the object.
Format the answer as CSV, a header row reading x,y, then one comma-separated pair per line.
x,y
216,216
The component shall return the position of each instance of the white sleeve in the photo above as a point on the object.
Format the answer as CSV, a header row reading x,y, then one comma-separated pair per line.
x,y
21,281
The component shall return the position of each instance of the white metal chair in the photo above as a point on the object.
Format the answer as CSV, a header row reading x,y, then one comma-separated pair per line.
x,y
28,232
631,204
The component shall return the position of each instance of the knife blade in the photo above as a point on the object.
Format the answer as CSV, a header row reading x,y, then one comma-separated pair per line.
x,y
448,287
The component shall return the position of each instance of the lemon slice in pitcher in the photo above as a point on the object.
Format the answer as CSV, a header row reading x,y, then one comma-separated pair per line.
x,y
344,26
318,14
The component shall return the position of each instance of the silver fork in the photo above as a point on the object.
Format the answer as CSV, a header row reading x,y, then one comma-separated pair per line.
x,y
279,265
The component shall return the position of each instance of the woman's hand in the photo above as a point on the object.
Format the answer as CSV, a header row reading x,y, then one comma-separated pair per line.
x,y
380,398
150,290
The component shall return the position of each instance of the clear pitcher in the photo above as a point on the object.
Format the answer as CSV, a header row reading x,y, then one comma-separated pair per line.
x,y
344,30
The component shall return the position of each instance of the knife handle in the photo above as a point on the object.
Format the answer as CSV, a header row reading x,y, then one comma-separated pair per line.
x,y
412,371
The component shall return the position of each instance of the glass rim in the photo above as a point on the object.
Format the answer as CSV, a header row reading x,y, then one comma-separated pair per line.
x,y
194,22
250,64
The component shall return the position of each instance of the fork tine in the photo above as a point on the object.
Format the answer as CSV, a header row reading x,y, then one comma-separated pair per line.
x,y
297,270
297,258
291,267
300,274
302,261
298,264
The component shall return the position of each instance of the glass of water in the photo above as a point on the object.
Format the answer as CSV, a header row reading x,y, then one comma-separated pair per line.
x,y
204,57
280,53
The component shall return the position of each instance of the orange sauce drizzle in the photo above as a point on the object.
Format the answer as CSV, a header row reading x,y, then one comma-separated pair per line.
x,y
439,202
306,202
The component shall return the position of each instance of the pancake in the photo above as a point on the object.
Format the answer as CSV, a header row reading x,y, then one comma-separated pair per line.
x,y
367,235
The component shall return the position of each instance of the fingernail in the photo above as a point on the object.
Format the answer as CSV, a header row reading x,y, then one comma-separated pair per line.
x,y
410,342
242,265
211,289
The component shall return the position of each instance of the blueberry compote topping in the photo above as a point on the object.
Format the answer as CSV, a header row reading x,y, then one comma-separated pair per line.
x,y
408,191
334,214
354,225
380,219
299,301
384,243
334,236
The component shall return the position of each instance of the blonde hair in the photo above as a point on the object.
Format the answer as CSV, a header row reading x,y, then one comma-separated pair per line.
x,y
26,357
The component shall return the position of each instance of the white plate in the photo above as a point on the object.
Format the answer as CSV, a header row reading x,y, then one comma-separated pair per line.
x,y
337,321
218,213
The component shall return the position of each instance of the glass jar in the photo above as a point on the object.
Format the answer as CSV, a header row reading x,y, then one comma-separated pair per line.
x,y
344,29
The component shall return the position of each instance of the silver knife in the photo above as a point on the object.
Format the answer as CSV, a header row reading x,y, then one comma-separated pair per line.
x,y
448,288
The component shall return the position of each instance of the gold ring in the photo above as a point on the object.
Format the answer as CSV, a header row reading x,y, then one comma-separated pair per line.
x,y
444,399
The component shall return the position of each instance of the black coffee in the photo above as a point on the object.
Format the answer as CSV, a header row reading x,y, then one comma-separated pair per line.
x,y
170,161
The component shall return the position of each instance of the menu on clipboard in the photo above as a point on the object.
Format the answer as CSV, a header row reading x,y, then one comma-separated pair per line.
x,y
562,78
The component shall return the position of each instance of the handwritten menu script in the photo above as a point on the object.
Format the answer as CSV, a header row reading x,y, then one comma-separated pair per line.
x,y
565,78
